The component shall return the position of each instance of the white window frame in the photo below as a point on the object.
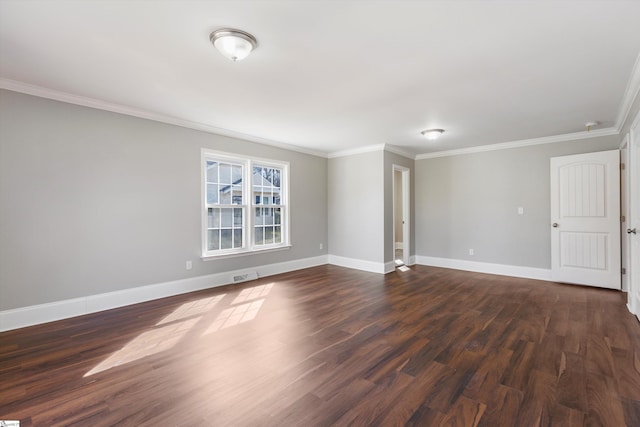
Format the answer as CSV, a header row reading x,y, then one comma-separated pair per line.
x,y
248,205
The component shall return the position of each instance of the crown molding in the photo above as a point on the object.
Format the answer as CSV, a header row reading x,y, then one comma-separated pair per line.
x,y
399,151
359,150
42,92
371,148
522,143
630,95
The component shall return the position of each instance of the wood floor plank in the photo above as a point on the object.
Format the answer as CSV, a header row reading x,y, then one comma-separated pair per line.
x,y
333,346
502,407
604,404
631,410
571,384
464,412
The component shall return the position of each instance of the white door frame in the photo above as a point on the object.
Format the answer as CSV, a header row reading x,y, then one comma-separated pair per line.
x,y
406,213
624,211
633,273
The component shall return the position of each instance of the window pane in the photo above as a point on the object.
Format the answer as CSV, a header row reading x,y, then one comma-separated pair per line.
x,y
258,219
268,235
277,220
226,241
236,174
212,171
225,195
257,171
276,178
225,173
213,237
277,234
214,218
237,195
237,217
212,194
258,192
268,216
259,236
226,216
237,238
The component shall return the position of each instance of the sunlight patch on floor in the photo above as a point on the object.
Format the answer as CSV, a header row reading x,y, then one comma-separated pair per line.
x,y
173,327
146,344
253,293
235,315
192,308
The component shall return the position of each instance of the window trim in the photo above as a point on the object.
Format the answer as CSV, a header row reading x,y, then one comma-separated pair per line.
x,y
248,206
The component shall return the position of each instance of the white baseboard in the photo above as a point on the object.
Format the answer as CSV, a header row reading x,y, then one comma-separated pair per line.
x,y
389,267
485,267
42,313
359,264
412,260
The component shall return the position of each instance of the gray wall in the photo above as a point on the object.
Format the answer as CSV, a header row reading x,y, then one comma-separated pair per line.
x,y
93,201
470,201
389,160
356,200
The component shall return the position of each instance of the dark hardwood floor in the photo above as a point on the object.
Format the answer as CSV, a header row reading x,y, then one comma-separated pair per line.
x,y
332,346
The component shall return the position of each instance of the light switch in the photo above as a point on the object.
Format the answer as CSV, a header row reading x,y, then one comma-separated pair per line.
x,y
520,210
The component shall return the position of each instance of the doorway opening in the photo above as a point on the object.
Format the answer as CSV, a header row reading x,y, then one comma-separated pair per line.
x,y
401,234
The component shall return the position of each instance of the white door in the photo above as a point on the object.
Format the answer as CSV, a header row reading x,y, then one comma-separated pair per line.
x,y
633,232
585,219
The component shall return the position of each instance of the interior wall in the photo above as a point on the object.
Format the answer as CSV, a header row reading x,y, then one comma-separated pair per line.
x,y
94,202
391,159
470,202
356,206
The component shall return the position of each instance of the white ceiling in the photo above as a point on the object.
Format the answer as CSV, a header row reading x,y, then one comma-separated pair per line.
x,y
329,76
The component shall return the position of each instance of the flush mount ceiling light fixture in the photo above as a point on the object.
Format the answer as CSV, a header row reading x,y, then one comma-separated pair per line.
x,y
432,134
234,44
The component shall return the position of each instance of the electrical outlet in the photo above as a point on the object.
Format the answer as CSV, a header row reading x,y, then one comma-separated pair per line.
x,y
520,210
321,246
189,265
472,252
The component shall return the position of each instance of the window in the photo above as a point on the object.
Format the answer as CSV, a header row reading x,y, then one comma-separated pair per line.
x,y
244,204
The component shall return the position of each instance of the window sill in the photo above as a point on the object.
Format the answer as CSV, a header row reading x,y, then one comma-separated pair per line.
x,y
245,253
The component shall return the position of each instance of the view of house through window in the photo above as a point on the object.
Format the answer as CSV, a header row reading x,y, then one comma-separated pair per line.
x,y
224,205
244,212
268,218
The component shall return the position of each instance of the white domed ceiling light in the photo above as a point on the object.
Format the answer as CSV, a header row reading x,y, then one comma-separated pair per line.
x,y
234,44
432,134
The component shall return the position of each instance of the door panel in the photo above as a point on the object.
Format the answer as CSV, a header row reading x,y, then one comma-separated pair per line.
x,y
585,216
